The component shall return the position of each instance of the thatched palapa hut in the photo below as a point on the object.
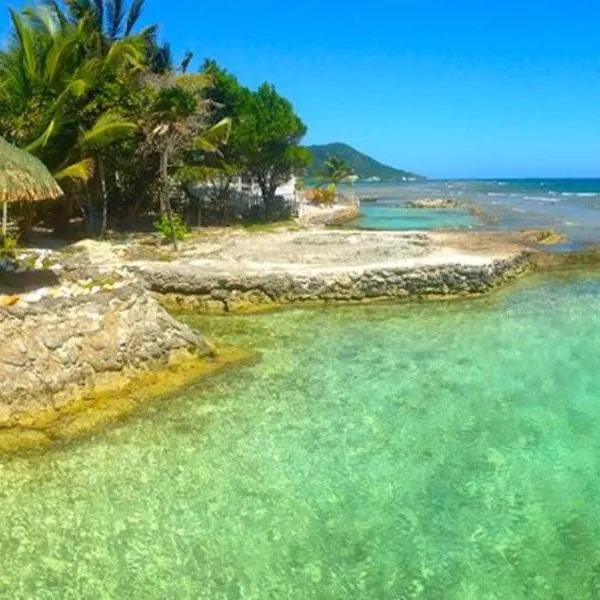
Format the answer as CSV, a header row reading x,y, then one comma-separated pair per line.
x,y
23,178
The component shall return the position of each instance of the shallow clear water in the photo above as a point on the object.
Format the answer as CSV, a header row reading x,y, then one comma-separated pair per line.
x,y
570,206
396,218
439,451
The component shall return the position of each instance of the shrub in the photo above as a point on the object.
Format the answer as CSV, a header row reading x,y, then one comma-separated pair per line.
x,y
324,196
163,226
8,247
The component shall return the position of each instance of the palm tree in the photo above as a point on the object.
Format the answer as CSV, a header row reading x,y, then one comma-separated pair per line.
x,y
336,170
178,125
111,18
49,82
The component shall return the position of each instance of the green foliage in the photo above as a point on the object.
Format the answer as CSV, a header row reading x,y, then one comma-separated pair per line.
x,y
105,110
8,247
179,229
362,165
270,131
174,103
265,131
336,170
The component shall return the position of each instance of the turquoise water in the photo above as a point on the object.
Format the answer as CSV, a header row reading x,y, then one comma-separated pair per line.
x,y
440,451
570,206
407,219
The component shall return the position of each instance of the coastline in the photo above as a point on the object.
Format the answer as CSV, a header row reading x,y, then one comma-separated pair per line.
x,y
316,267
70,365
78,364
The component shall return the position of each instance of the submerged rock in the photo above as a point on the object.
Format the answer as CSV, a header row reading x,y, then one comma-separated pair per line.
x,y
435,203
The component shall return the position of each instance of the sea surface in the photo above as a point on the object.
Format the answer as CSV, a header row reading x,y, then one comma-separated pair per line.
x,y
444,451
570,206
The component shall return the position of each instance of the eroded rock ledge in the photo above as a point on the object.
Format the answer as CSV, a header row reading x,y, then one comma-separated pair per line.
x,y
59,349
189,287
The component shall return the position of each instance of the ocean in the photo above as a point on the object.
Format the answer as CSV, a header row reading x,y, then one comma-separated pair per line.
x,y
441,451
570,206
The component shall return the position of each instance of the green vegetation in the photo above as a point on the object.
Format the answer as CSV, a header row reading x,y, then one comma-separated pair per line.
x,y
125,130
171,228
362,165
336,170
8,247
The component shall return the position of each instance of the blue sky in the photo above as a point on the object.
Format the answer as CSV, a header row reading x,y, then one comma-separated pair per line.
x,y
447,89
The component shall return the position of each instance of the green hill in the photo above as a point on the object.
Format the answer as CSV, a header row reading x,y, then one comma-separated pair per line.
x,y
364,166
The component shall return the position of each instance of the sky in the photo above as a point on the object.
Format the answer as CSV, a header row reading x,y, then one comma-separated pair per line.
x,y
445,89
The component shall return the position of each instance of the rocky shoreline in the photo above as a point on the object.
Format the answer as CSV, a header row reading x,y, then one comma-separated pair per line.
x,y
185,288
75,357
330,266
68,365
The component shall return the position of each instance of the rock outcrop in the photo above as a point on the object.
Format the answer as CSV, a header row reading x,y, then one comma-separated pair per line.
x,y
188,287
433,203
58,348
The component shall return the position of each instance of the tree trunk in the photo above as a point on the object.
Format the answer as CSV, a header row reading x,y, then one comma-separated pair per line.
x,y
103,196
164,177
267,190
89,213
165,200
4,218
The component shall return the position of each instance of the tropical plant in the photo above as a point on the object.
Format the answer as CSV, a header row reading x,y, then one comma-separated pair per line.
x,y
52,97
336,170
171,228
324,196
118,121
179,130
8,248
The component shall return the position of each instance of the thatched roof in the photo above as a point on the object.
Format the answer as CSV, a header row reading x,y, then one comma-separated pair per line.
x,y
23,178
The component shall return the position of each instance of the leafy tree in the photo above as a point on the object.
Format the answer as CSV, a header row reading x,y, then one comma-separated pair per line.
x,y
110,17
101,103
270,133
265,135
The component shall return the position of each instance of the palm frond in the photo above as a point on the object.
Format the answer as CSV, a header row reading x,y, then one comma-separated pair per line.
x,y
78,9
115,17
57,12
125,52
42,18
25,37
58,54
135,11
98,10
51,130
214,137
187,59
82,170
108,128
